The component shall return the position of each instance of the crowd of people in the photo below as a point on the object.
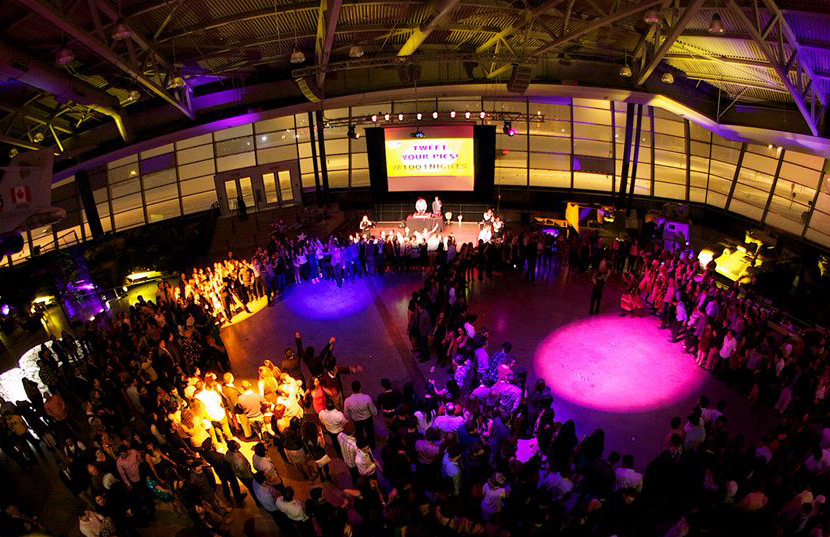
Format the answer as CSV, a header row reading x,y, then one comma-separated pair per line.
x,y
475,451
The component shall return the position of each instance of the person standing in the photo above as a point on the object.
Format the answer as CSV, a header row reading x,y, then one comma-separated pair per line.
x,y
333,422
360,408
348,449
241,466
224,471
598,280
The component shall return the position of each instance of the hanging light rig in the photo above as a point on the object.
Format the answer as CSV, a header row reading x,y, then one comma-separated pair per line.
x,y
508,119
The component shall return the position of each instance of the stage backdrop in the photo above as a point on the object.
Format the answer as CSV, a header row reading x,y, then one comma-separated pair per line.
x,y
449,158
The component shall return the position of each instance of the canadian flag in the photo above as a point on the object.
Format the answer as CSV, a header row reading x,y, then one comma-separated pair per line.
x,y
21,194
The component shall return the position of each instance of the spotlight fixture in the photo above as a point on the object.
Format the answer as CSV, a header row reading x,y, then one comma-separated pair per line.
x,y
355,51
467,114
176,82
65,56
374,118
452,114
297,56
625,71
386,116
769,146
37,137
435,115
667,78
418,116
482,114
716,26
13,152
400,117
121,31
418,133
508,129
352,133
652,17
132,96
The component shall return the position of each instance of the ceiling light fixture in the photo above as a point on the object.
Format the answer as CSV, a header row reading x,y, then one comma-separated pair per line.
x,y
435,115
176,82
452,114
386,116
13,152
355,51
373,118
652,17
667,78
121,31
400,117
482,114
467,114
716,26
418,116
65,56
37,137
297,56
625,71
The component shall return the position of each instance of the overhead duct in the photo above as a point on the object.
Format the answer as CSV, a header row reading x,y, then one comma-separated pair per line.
x,y
16,64
420,34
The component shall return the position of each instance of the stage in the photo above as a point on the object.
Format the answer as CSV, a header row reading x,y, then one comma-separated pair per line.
x,y
464,232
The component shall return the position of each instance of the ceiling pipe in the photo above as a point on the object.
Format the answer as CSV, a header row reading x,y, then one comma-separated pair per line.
x,y
16,64
420,34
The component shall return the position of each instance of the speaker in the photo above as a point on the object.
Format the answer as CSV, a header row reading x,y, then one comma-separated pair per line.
x,y
520,78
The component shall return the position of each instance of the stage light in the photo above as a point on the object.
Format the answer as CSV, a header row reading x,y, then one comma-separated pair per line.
x,y
37,137
356,51
667,78
452,114
716,26
374,118
297,56
652,17
352,133
386,116
417,134
467,114
769,146
625,71
400,117
4,309
482,114
13,152
418,116
508,129
435,115
143,275
121,31
65,56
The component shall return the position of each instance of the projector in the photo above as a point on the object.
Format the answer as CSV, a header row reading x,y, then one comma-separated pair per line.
x,y
417,134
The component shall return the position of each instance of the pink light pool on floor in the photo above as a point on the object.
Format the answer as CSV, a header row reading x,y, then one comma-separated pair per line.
x,y
617,364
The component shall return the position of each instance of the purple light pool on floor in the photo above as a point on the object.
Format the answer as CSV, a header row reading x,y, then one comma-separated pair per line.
x,y
325,301
617,364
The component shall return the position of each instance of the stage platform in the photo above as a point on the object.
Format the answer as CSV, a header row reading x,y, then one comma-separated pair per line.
x,y
465,232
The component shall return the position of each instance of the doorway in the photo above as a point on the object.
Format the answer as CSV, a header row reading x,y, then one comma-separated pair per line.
x,y
258,187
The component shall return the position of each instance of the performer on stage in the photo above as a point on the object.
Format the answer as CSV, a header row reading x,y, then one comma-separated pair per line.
x,y
421,207
366,224
436,206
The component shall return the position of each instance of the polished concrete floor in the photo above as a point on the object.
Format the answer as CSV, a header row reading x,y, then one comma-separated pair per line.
x,y
618,373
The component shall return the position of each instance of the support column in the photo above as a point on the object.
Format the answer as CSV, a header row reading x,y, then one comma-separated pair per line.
x,y
629,125
88,201
637,136
324,170
312,139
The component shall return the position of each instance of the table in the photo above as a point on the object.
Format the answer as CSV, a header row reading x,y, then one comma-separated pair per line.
x,y
417,222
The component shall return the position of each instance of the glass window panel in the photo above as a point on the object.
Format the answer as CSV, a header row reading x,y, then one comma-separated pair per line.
x,y
361,160
670,175
592,148
234,146
672,143
306,165
751,196
560,129
277,154
817,237
823,202
621,113
193,142
275,124
697,195
126,203
592,103
700,164
123,173
130,159
511,159
725,154
592,132
715,199
723,142
696,132
157,163
235,132
700,149
716,184
592,181
308,180
665,114
337,147
124,188
550,161
274,139
803,159
360,178
337,162
783,222
99,195
359,145
198,202
551,178
339,179
552,112
548,144
269,184
669,158
511,176
304,150
764,150
505,106
159,178
194,154
128,219
759,163
799,174
162,193
197,169
698,179
335,133
365,111
722,169
820,221
665,126
755,179
161,150
231,192
795,192
592,115
232,162
163,211
286,192
518,142
198,185
666,190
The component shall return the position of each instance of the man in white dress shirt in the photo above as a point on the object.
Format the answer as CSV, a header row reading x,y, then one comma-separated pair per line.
x,y
360,408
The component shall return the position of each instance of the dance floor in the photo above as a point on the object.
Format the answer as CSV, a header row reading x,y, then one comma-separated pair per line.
x,y
618,373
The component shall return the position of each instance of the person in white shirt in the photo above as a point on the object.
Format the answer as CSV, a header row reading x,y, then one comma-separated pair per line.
x,y
627,477
494,493
694,432
214,408
557,484
365,460
360,408
333,422
727,349
292,508
348,449
451,468
507,396
449,419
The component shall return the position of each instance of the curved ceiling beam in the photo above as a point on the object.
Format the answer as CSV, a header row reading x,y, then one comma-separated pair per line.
x,y
420,33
